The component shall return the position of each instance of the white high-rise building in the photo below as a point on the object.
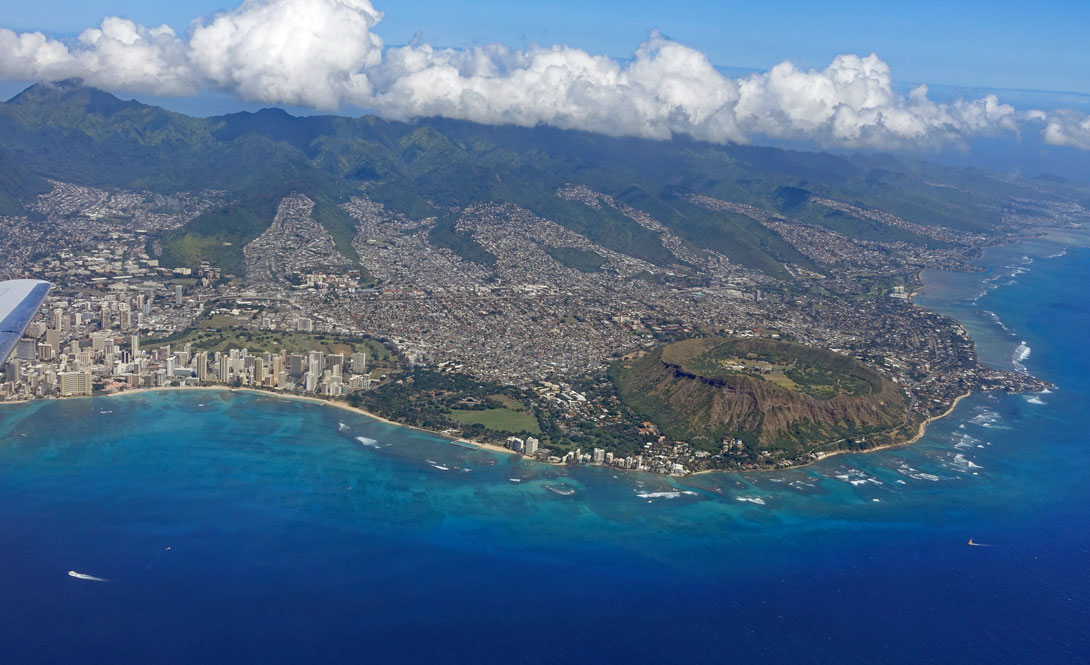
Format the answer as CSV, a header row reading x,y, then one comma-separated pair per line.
x,y
359,363
202,366
315,362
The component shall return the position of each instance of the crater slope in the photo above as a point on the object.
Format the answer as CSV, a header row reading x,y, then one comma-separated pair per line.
x,y
761,396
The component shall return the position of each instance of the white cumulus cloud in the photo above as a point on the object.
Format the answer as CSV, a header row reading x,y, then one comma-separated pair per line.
x,y
1065,128
668,88
117,54
852,103
304,52
324,54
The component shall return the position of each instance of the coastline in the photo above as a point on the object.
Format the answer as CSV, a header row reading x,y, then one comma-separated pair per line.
x,y
921,430
311,400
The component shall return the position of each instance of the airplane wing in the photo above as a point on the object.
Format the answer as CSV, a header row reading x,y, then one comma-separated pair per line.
x,y
19,302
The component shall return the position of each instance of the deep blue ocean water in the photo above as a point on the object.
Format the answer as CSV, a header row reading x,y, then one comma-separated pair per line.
x,y
241,528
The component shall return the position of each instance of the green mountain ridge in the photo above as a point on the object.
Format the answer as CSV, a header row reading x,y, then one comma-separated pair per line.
x,y
436,167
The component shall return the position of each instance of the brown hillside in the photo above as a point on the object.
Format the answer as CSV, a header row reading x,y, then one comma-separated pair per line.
x,y
693,390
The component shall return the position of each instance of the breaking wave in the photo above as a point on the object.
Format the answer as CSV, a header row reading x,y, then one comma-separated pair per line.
x,y
752,499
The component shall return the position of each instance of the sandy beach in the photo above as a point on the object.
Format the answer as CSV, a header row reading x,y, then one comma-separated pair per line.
x,y
318,401
921,430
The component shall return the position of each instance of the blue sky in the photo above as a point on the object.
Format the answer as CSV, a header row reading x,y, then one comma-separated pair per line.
x,y
998,44
789,72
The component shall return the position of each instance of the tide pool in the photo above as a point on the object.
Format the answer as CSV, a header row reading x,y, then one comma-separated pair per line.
x,y
237,527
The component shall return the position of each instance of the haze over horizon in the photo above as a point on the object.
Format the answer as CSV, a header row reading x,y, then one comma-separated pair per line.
x,y
327,55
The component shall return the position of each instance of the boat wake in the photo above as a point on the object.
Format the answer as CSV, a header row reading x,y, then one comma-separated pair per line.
x,y
85,576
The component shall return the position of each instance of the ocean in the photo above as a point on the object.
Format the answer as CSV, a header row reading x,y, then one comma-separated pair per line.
x,y
241,528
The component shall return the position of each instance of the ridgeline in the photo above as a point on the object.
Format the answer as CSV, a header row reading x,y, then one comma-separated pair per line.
x,y
775,398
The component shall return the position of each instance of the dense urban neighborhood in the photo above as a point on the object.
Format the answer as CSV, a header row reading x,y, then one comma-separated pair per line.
x,y
520,342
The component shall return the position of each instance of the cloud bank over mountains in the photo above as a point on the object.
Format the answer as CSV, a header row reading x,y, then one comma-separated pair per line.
x,y
324,54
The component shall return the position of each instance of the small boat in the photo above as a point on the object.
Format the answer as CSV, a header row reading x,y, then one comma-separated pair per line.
x,y
85,576
972,544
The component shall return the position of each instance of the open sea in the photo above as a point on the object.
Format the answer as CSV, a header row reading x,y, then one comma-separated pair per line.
x,y
239,528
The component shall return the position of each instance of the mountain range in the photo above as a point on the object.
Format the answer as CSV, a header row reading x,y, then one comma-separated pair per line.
x,y
435,168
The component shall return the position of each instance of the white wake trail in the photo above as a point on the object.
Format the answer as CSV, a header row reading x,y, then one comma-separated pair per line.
x,y
85,576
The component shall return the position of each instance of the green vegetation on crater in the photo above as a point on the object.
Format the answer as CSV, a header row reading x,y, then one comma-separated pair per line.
x,y
776,397
820,374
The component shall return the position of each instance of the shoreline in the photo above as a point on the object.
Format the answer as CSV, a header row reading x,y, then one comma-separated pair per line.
x,y
318,401
920,432
452,440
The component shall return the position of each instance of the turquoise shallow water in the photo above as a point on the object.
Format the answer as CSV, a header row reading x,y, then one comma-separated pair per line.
x,y
300,533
